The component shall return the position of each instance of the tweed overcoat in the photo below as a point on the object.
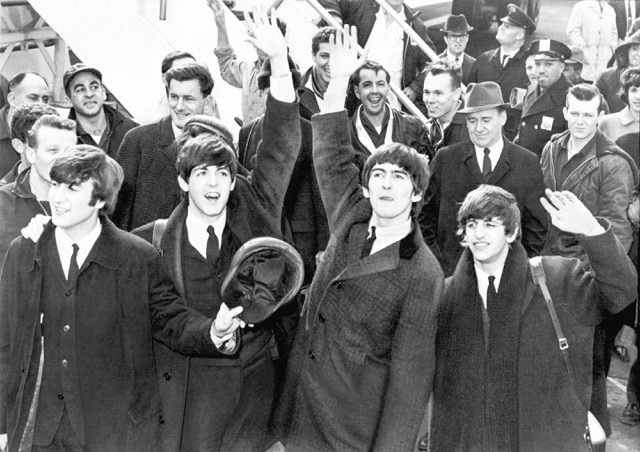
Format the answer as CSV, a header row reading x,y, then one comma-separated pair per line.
x,y
455,172
362,366
143,299
150,188
542,115
551,415
488,68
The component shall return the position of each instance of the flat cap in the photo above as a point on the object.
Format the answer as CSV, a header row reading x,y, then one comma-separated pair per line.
x,y
212,125
76,69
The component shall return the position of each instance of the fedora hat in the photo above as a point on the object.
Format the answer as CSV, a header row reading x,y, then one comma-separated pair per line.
x,y
483,96
456,24
517,17
264,275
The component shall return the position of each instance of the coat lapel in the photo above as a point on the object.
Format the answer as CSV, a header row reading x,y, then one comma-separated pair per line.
x,y
166,140
503,166
470,161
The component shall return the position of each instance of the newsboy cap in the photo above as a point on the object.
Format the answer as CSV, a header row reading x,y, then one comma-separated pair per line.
x,y
550,49
519,18
483,96
577,56
76,69
265,274
212,125
456,24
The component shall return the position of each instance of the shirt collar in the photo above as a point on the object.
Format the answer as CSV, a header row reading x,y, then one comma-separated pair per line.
x,y
85,244
197,230
388,235
495,149
626,117
483,281
176,130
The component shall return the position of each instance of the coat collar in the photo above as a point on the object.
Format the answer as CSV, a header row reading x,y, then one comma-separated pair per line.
x,y
22,186
166,139
504,165
552,98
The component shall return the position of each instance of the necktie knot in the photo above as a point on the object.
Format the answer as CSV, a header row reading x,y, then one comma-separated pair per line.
x,y
213,247
435,134
491,280
368,243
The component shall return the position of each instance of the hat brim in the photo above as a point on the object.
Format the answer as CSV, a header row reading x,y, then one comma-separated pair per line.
x,y
482,108
510,21
461,30
75,74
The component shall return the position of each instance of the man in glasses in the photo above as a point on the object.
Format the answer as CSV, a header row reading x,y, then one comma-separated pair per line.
x,y
456,35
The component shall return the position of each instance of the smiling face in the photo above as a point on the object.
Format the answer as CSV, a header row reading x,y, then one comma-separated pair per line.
x,y
633,94
439,96
87,94
372,91
71,208
322,70
485,127
209,188
488,241
185,100
51,143
391,194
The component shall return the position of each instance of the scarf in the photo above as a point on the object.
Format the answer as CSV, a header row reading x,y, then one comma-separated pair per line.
x,y
364,137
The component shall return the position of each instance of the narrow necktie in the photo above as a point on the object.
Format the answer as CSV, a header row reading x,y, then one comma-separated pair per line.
x,y
72,275
213,248
368,244
504,60
486,164
491,294
435,134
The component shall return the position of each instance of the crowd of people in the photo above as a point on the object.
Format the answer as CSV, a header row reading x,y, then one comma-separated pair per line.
x,y
485,259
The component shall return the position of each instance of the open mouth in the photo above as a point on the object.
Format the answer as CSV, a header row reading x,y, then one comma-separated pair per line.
x,y
59,210
213,197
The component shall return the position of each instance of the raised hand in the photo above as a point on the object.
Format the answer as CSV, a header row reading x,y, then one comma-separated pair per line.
x,y
264,33
218,10
569,214
344,59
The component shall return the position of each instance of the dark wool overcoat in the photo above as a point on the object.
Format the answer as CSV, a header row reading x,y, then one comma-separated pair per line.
x,y
362,366
131,288
551,414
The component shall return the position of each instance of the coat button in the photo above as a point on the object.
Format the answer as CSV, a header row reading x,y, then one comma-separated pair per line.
x,y
161,419
166,376
337,284
535,127
312,355
22,369
68,293
66,328
65,363
523,123
60,396
321,318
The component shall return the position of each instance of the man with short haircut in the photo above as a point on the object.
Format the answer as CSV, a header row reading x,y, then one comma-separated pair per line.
x,y
542,114
573,66
361,369
225,403
24,88
49,137
21,122
375,122
388,44
456,36
78,311
506,64
487,158
501,379
317,77
148,153
98,123
441,96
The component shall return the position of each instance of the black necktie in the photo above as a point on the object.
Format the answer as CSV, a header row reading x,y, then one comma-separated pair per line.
x,y
486,164
504,60
213,248
368,244
491,294
73,265
435,134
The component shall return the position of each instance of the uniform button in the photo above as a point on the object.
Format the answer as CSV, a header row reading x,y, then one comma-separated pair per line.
x,y
166,376
68,293
161,420
65,363
337,284
321,318
66,328
535,127
523,123
22,369
312,355
60,396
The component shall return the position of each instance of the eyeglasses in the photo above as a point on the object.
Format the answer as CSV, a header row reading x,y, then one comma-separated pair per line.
x,y
457,37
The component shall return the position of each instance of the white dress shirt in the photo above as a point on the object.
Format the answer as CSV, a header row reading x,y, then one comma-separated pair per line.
x,y
197,230
65,246
494,155
483,282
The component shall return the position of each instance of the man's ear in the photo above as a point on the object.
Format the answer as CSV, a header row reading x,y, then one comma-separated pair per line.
x,y
99,205
11,98
512,237
356,91
415,197
18,145
183,184
365,192
31,155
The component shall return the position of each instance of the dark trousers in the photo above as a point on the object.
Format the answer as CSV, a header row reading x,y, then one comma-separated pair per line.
x,y
633,384
229,408
65,439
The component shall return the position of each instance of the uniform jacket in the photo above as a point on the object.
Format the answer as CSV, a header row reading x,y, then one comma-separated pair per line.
x,y
254,210
8,155
119,125
551,415
362,365
362,14
595,33
542,115
18,206
407,129
455,172
304,214
146,303
488,68
604,183
150,189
